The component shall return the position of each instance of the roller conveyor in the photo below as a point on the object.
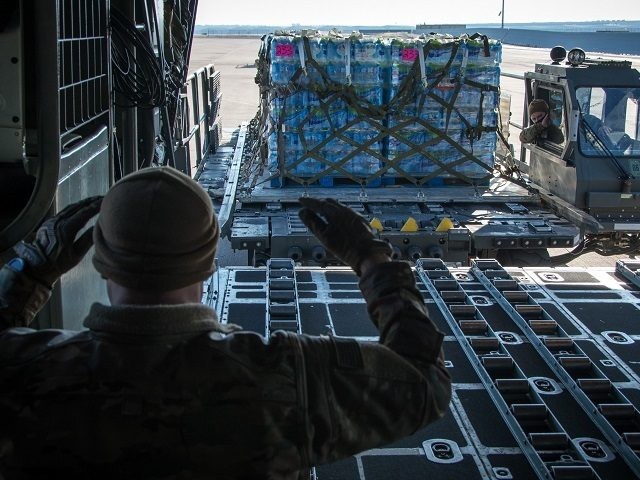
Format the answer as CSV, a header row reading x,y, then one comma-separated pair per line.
x,y
596,312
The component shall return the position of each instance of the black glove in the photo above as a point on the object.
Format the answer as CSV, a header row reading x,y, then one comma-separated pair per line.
x,y
342,231
55,249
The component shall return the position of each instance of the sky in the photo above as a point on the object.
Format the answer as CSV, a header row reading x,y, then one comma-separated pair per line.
x,y
409,12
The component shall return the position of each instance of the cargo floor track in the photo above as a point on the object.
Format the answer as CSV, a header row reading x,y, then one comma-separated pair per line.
x,y
544,363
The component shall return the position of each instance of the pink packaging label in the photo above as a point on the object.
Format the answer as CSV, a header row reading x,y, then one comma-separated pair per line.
x,y
284,50
409,54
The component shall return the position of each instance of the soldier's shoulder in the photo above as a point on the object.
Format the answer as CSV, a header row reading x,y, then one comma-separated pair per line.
x,y
19,345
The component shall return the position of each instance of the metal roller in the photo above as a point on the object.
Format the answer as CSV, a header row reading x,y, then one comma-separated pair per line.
x,y
575,362
619,411
496,274
496,362
549,440
282,311
530,411
445,284
512,385
488,264
288,325
503,285
278,263
563,343
463,310
473,327
438,274
282,296
484,343
595,385
432,264
529,311
281,284
543,327
453,295
281,273
573,472
516,296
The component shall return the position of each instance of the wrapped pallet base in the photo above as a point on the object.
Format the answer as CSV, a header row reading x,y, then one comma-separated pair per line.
x,y
377,111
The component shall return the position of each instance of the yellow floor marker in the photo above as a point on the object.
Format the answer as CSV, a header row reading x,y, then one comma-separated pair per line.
x,y
445,225
410,225
376,223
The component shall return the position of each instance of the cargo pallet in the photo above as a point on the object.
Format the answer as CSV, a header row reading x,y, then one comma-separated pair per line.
x,y
338,182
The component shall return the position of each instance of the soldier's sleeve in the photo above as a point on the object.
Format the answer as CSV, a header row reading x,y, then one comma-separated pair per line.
x,y
362,395
554,134
531,133
21,298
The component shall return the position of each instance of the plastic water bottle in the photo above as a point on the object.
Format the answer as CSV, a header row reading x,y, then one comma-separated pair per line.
x,y
285,59
476,53
370,93
282,73
287,110
403,54
272,144
335,150
366,74
318,48
368,50
363,164
336,50
337,72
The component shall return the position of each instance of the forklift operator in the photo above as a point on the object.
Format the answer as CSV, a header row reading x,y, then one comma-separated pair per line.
x,y
541,125
157,387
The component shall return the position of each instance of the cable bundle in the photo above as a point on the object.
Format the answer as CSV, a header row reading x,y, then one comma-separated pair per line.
x,y
137,73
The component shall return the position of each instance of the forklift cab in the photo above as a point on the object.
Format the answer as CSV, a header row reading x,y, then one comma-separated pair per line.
x,y
596,167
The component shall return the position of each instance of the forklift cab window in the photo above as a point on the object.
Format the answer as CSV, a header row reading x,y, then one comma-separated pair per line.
x,y
609,121
555,100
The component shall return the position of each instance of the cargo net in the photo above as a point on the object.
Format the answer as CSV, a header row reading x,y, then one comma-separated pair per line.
x,y
378,110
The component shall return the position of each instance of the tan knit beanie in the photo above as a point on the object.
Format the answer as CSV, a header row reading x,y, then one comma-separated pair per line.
x,y
538,105
156,231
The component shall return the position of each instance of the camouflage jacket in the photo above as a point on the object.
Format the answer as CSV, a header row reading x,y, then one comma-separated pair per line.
x,y
164,392
537,131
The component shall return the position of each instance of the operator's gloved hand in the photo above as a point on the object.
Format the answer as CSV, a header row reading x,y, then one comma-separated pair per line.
x,y
342,231
55,249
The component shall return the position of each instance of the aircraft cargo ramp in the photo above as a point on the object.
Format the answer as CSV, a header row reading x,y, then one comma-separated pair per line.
x,y
544,364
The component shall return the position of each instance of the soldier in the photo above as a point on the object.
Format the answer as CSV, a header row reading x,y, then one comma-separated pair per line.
x,y
541,126
156,387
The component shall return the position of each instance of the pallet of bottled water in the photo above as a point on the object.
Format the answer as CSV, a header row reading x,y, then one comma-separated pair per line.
x,y
380,109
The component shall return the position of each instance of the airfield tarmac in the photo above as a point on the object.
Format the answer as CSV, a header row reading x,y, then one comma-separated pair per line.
x,y
235,58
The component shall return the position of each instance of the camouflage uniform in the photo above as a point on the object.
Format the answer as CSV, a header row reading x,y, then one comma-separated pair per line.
x,y
536,131
166,392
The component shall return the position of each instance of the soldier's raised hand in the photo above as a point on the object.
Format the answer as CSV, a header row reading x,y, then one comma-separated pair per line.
x,y
55,249
342,231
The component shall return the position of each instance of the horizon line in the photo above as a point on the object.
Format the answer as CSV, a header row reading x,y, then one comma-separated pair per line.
x,y
408,25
